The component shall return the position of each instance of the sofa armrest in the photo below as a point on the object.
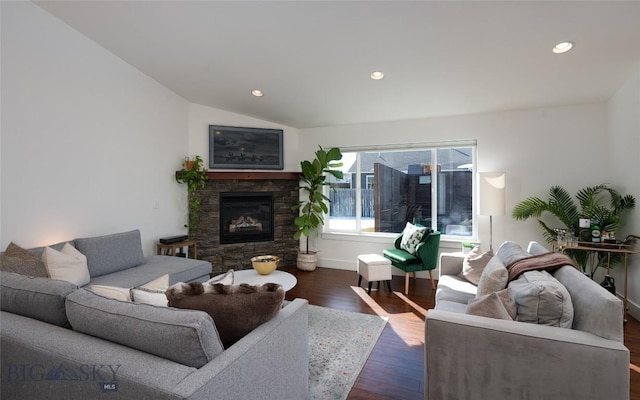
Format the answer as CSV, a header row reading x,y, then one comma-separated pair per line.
x,y
451,263
271,362
471,357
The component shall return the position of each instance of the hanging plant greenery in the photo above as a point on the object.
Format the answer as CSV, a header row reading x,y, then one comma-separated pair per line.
x,y
194,175
601,204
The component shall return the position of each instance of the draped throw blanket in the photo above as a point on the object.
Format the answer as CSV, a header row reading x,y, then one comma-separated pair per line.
x,y
546,261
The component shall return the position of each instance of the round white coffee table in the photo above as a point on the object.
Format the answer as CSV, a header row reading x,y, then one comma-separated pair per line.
x,y
251,277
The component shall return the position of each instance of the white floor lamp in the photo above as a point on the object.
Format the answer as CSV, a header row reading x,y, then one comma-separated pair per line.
x,y
492,198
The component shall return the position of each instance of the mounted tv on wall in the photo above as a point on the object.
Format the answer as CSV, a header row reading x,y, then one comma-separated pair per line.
x,y
232,147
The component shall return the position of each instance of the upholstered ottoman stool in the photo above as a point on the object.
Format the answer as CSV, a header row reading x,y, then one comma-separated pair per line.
x,y
374,268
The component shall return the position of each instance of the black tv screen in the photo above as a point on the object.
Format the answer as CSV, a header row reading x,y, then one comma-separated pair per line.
x,y
232,147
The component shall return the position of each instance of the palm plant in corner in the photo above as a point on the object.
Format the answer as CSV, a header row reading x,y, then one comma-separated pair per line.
x,y
194,175
313,208
593,201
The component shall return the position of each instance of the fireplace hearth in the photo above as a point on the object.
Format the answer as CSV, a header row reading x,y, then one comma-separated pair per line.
x,y
246,217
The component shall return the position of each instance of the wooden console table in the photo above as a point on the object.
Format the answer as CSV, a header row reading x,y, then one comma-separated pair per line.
x,y
189,244
609,249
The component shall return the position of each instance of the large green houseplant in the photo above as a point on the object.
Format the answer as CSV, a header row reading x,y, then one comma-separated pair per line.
x,y
601,204
194,175
315,204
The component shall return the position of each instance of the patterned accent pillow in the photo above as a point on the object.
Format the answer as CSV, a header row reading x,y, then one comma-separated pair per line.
x,y
411,236
20,261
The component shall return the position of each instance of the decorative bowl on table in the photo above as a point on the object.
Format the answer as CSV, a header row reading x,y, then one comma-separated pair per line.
x,y
265,265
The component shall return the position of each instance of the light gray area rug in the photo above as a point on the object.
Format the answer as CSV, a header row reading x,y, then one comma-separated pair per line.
x,y
339,344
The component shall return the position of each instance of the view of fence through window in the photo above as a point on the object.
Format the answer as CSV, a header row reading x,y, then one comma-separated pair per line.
x,y
382,190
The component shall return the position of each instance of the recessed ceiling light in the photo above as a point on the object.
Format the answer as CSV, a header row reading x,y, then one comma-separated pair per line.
x,y
377,75
257,93
562,47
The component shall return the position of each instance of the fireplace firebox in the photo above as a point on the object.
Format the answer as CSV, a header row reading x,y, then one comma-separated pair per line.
x,y
246,217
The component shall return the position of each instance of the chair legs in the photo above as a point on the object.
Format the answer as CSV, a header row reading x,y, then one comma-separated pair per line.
x,y
406,281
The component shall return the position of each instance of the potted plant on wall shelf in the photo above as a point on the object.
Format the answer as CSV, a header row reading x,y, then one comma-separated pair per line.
x,y
194,175
313,207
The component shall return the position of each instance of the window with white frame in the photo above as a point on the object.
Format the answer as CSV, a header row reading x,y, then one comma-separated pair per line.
x,y
384,188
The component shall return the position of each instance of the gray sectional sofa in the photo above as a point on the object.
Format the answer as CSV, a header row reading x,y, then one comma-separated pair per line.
x,y
59,341
476,357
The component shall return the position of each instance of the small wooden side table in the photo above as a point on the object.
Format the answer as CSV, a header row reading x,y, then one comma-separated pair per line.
x,y
189,244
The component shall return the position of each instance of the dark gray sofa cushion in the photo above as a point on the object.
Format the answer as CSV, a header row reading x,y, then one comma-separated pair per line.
x,y
39,298
111,253
187,337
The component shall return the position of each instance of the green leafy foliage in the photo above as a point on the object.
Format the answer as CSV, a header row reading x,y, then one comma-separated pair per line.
x,y
194,175
314,178
601,204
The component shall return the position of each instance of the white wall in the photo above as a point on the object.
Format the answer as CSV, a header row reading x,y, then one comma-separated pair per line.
x,y
624,142
200,117
537,148
89,143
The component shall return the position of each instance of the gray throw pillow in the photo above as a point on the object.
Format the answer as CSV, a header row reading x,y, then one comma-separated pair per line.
x,y
111,253
542,299
494,277
508,252
186,337
34,297
235,309
20,261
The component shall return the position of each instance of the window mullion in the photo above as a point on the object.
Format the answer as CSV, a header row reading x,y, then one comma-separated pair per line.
x,y
358,194
434,189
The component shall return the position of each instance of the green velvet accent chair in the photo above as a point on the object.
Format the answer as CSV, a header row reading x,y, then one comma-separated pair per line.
x,y
425,258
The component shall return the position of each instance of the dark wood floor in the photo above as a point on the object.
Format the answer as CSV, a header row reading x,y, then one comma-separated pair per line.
x,y
395,368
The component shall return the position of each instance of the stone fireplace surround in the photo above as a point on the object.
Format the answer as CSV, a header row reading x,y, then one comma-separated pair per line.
x,y
237,256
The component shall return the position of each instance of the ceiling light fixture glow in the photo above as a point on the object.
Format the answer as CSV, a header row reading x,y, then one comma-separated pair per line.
x,y
562,47
377,75
257,93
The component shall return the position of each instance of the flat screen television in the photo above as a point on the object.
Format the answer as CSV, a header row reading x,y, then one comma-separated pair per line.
x,y
233,147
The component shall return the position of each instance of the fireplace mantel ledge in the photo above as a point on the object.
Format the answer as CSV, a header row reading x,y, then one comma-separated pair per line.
x,y
252,175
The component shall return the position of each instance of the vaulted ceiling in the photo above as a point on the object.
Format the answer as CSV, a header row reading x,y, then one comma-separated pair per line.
x,y
312,59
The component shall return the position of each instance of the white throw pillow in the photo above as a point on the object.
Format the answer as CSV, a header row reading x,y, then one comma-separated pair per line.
x,y
494,277
225,279
160,283
152,292
147,296
411,236
112,292
542,299
474,263
67,265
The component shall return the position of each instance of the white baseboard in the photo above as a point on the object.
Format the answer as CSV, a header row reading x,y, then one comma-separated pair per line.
x,y
633,309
